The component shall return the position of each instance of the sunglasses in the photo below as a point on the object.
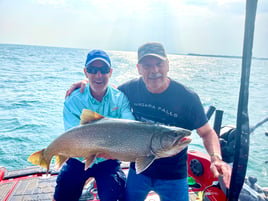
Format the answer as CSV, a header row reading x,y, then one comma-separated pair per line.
x,y
94,70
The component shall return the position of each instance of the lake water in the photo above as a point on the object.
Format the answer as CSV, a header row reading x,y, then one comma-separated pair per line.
x,y
33,81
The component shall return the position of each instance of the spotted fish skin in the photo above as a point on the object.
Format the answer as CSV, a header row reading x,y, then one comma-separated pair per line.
x,y
125,140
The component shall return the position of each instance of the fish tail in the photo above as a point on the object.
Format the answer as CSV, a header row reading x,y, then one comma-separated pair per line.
x,y
38,158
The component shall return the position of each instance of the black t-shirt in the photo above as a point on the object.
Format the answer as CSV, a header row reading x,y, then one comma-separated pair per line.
x,y
176,106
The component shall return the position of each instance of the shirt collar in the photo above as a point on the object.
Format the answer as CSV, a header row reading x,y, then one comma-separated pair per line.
x,y
93,100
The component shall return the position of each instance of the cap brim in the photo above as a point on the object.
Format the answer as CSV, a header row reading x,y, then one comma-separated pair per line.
x,y
98,58
154,55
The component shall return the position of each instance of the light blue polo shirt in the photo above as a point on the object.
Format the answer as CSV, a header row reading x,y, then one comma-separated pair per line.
x,y
114,104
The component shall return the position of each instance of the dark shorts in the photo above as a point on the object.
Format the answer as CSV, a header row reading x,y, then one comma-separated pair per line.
x,y
109,177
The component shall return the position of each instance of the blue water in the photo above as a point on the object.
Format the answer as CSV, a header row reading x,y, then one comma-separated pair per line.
x,y
33,81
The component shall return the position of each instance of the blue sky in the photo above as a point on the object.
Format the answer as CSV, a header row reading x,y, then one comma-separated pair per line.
x,y
183,26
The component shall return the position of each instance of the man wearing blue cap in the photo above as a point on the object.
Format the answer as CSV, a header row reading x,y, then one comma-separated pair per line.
x,y
106,100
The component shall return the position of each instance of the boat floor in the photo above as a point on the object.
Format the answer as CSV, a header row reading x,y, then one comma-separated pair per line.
x,y
41,187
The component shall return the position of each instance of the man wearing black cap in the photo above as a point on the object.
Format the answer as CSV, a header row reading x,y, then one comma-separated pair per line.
x,y
155,97
104,99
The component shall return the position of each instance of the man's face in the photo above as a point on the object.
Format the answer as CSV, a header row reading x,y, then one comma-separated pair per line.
x,y
98,74
154,73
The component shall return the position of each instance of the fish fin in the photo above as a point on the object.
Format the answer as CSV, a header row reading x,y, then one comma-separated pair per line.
x,y
38,158
143,163
89,160
59,160
88,116
175,149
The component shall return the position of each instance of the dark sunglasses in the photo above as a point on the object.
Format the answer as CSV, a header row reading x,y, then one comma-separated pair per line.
x,y
94,70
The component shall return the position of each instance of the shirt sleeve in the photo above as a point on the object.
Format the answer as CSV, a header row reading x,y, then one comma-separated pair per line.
x,y
126,112
71,116
198,116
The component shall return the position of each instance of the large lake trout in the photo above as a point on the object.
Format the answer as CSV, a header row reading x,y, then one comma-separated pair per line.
x,y
126,140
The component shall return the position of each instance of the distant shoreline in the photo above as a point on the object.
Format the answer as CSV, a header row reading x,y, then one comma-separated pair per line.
x,y
189,54
224,56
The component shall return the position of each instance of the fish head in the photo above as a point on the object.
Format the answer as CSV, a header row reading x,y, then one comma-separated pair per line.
x,y
170,142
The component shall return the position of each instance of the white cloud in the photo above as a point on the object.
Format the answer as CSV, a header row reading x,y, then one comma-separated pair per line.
x,y
51,2
205,26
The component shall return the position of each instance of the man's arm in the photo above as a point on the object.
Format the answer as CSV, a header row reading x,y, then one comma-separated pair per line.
x,y
80,84
126,112
212,145
70,118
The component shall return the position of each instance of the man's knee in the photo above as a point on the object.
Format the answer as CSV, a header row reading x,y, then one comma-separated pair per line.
x,y
115,181
70,181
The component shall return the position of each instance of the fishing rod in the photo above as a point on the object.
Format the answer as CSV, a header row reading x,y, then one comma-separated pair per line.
x,y
242,123
252,129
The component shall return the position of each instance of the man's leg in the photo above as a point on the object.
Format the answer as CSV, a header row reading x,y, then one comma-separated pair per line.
x,y
110,180
175,190
137,187
70,181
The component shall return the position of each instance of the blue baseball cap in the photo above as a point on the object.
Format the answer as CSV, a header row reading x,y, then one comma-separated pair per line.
x,y
94,55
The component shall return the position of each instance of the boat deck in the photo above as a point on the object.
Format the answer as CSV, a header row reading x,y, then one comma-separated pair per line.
x,y
33,184
35,188
40,186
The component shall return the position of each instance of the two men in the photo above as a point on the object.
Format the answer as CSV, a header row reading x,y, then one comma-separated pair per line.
x,y
157,98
